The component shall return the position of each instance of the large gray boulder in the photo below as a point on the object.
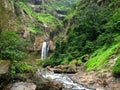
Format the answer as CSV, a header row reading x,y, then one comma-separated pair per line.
x,y
23,86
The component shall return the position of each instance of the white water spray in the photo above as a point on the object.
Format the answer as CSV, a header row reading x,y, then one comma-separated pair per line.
x,y
45,50
68,84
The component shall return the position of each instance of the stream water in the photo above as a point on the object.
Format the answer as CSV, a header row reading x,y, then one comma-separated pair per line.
x,y
63,78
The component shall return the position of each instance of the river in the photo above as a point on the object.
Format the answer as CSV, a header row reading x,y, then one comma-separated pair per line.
x,y
67,82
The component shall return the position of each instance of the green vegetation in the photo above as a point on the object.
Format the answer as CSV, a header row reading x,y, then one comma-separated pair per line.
x,y
91,36
116,67
11,46
20,69
100,58
46,18
94,31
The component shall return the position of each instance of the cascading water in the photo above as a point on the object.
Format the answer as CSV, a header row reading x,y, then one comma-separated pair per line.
x,y
43,53
63,78
45,50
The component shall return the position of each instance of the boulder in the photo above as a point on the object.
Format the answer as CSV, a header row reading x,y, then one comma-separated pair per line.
x,y
46,84
64,69
23,86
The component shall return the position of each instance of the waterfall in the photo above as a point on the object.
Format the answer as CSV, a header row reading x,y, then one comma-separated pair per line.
x,y
45,50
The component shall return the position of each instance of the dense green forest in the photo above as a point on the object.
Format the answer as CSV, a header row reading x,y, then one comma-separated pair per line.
x,y
93,33
85,33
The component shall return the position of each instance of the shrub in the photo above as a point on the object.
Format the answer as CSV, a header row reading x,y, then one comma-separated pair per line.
x,y
23,67
11,46
65,61
20,68
116,67
79,62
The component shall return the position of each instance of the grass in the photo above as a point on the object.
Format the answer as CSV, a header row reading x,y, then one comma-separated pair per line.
x,y
116,67
100,57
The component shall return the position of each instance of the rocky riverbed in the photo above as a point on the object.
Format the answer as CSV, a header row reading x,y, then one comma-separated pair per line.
x,y
99,80
102,80
79,77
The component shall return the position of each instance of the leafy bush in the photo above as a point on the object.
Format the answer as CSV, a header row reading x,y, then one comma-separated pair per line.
x,y
23,67
116,67
65,61
11,46
79,62
114,22
20,67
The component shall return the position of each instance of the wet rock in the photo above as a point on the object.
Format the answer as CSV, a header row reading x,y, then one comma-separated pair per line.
x,y
39,41
56,86
46,84
65,69
23,86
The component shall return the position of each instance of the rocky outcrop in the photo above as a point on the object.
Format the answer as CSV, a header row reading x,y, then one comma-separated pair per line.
x,y
63,69
39,41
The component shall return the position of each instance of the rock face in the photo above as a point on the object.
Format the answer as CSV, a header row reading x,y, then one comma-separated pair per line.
x,y
39,41
23,86
52,46
4,66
